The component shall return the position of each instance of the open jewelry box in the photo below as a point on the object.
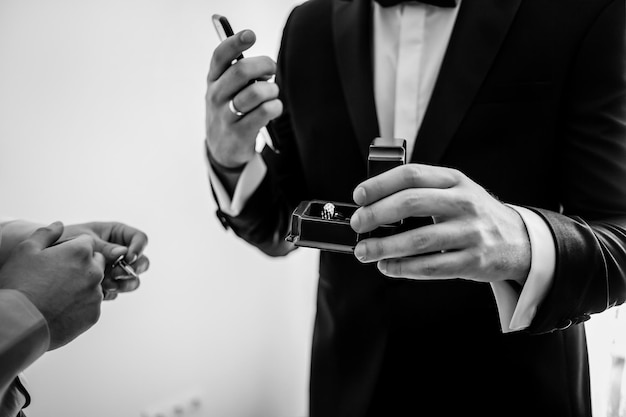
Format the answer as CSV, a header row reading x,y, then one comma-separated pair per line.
x,y
325,225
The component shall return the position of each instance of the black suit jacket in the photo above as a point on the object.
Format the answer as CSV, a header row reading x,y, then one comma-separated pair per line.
x,y
530,103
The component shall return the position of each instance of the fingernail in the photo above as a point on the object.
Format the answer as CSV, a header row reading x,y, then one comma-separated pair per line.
x,y
359,196
246,36
132,259
355,222
382,267
360,252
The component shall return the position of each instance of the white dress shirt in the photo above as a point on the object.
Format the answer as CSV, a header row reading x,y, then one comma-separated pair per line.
x,y
410,41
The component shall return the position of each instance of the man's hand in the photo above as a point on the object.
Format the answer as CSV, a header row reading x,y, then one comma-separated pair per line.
x,y
230,138
475,236
62,280
113,240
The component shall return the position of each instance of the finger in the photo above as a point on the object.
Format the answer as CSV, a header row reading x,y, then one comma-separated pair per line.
x,y
110,295
110,251
263,114
448,265
127,285
108,283
120,285
239,75
137,245
423,240
403,177
119,273
228,50
44,237
141,265
254,95
134,239
415,202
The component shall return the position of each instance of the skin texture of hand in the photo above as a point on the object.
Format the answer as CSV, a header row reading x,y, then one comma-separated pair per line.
x,y
474,237
112,240
230,138
63,280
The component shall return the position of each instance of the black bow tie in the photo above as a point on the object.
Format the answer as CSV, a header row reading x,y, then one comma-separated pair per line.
x,y
439,3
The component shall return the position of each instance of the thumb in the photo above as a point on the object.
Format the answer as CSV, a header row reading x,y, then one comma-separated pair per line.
x,y
110,251
46,236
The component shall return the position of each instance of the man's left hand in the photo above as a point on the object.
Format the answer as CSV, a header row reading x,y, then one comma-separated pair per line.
x,y
474,236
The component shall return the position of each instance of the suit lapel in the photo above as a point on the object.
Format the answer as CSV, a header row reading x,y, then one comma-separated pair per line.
x,y
479,31
353,48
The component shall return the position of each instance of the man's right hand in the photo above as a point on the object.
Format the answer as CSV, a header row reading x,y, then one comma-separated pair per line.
x,y
62,280
230,138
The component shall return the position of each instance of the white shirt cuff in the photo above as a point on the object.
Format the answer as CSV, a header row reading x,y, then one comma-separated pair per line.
x,y
250,179
517,310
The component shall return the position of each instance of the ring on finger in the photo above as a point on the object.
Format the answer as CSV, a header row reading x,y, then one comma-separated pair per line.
x,y
234,110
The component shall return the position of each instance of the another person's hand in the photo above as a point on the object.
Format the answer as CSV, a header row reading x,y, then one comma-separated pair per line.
x,y
113,240
63,280
230,138
474,237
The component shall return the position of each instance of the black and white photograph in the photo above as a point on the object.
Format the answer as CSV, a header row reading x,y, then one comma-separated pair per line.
x,y
312,208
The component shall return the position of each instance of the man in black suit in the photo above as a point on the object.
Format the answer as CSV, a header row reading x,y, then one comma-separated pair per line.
x,y
515,114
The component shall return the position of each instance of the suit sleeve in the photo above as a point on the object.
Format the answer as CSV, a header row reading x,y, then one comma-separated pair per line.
x,y
264,221
590,230
24,337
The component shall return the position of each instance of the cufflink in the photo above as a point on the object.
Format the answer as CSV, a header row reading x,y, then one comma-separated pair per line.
x,y
129,270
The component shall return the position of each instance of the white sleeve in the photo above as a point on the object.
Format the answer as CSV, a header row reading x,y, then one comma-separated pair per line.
x,y
250,179
518,308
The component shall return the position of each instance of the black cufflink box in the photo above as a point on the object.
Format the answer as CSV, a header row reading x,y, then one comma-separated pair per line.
x,y
313,227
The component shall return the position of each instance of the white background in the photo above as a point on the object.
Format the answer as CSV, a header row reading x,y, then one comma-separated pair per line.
x,y
101,118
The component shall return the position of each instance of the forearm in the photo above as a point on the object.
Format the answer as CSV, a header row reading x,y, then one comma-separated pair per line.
x,y
249,205
590,274
264,220
228,177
